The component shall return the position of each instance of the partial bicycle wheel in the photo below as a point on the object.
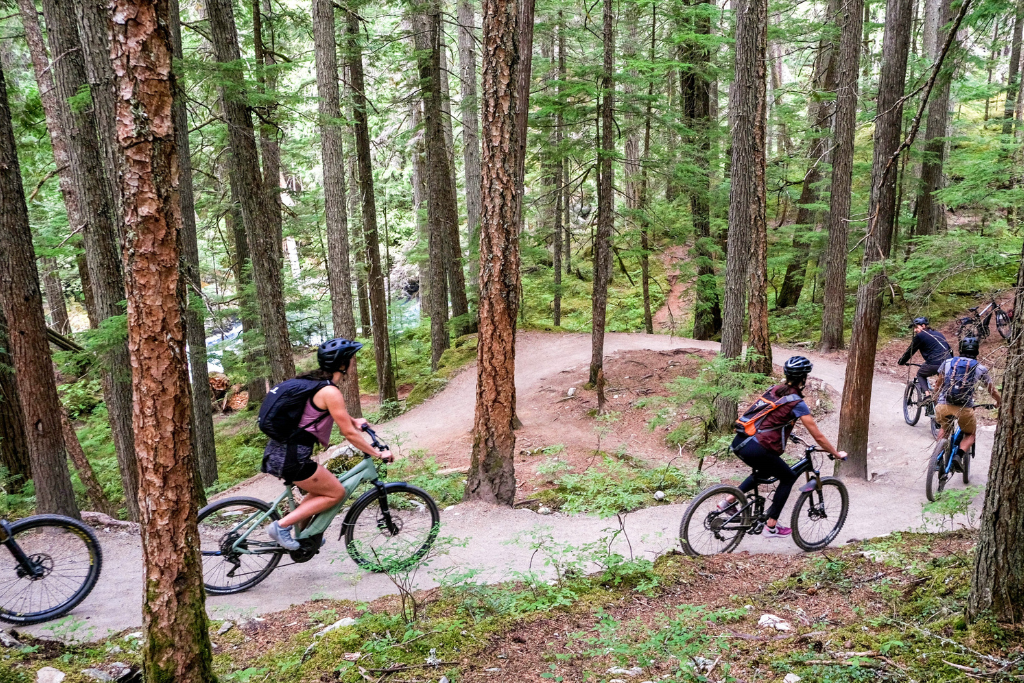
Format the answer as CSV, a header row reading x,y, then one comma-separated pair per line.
x,y
934,425
965,464
382,538
937,477
67,560
707,530
819,515
1003,323
227,568
912,400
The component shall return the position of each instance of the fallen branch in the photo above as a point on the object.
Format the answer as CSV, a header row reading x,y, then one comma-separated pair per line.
x,y
406,667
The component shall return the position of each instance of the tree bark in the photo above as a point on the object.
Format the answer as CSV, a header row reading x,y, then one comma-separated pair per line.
x,y
453,244
524,75
13,443
270,132
203,443
22,303
696,95
101,233
856,406
847,73
606,202
929,211
492,473
1013,78
235,226
997,584
90,301
93,490
177,645
257,211
339,273
470,112
55,296
560,178
377,294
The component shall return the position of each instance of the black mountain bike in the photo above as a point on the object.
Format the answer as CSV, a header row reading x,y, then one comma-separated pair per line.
x,y
977,324
818,515
53,565
914,402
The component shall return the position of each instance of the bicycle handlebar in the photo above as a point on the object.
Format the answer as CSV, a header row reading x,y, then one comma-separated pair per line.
x,y
808,448
374,441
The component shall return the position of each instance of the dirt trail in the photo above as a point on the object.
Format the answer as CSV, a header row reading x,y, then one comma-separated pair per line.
x,y
892,501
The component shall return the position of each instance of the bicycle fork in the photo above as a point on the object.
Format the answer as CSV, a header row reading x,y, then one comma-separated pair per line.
x,y
26,567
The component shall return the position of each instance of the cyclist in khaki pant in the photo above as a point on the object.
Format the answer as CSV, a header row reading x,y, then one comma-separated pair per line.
x,y
958,402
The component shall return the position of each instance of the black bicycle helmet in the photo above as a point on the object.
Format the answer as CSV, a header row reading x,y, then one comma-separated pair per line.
x,y
797,368
334,355
969,347
921,321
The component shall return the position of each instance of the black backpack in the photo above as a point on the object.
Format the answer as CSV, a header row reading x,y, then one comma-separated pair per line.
x,y
281,411
961,381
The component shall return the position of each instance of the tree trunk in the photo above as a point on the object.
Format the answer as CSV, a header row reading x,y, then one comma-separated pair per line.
x,y
605,202
377,293
492,474
234,225
645,223
524,74
270,132
817,154
22,303
177,645
55,296
13,443
929,211
90,301
1013,78
847,74
355,221
100,234
203,444
856,406
470,112
339,274
560,178
453,243
419,203
997,585
97,498
696,92
257,211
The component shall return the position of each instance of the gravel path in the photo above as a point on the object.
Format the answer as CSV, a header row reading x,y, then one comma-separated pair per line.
x,y
892,501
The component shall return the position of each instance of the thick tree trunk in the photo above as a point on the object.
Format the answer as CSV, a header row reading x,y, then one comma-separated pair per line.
x,y
860,368
235,226
55,302
339,273
376,285
645,191
929,211
605,204
847,73
560,180
1013,78
177,645
492,473
257,211
817,153
87,294
270,132
22,303
13,443
696,95
524,75
203,445
355,221
747,219
453,244
101,231
97,498
997,586
470,112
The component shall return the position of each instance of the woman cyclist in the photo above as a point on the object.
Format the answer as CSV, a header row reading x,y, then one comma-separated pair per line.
x,y
293,462
763,451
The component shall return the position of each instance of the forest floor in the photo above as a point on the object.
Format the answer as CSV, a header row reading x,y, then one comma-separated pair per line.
x,y
498,540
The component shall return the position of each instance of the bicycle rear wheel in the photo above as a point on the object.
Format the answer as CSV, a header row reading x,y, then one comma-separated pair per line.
x,y
934,424
819,515
965,464
1003,323
68,560
225,569
937,476
912,400
383,538
706,530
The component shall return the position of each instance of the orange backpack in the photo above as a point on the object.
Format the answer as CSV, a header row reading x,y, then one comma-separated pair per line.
x,y
750,422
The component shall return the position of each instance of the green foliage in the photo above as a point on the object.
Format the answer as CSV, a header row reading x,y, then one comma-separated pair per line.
x,y
81,397
17,498
422,470
950,504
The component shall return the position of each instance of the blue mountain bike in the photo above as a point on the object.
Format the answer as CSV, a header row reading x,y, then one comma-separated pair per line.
x,y
948,459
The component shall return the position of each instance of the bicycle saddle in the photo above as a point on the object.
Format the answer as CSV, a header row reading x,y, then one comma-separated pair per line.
x,y
975,309
761,479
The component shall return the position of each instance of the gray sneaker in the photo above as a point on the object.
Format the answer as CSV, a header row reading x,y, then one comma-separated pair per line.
x,y
282,536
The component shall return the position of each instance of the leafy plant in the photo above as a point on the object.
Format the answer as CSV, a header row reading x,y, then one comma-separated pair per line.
x,y
950,504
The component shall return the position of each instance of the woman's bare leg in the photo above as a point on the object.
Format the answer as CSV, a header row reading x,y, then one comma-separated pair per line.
x,y
323,491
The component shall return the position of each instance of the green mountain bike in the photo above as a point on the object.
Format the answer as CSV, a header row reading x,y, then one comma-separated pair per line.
x,y
390,526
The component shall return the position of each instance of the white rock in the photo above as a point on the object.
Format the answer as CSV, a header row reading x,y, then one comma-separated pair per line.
x,y
632,671
615,396
340,623
571,392
134,636
449,508
544,510
7,640
443,679
659,495
791,678
97,675
49,675
225,627
702,664
493,670
772,621
616,680
114,650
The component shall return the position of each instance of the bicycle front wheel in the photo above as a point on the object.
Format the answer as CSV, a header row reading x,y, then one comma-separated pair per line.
x,y
912,400
229,567
937,475
819,514
1003,323
707,530
392,531
934,427
965,463
66,560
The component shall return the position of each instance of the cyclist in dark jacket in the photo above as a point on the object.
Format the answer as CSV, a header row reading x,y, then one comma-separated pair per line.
x,y
934,350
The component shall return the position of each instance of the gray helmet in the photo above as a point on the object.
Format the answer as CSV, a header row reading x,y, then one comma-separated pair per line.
x,y
334,355
921,321
797,368
969,347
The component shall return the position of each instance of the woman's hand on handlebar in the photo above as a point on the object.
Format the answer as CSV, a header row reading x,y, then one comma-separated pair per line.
x,y
841,455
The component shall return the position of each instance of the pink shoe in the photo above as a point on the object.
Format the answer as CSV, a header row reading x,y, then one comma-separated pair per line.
x,y
778,530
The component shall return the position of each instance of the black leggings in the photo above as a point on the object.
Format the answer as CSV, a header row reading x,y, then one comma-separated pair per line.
x,y
765,464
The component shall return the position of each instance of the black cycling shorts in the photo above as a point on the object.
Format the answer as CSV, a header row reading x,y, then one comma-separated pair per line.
x,y
292,463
